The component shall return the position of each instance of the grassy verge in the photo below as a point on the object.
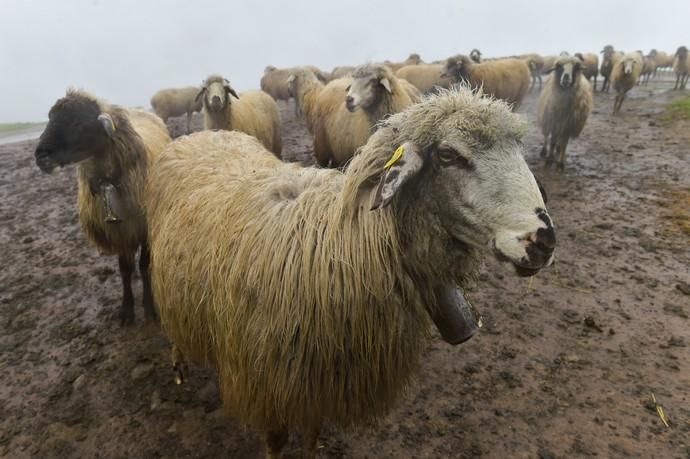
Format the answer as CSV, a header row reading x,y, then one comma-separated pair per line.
x,y
13,127
678,109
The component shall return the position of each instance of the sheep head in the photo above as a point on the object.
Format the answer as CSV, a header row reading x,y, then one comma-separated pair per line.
x,y
682,52
369,85
476,55
567,71
76,130
459,162
628,63
216,92
457,67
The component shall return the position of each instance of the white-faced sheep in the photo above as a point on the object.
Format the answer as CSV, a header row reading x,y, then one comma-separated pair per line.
x,y
506,79
112,147
254,113
608,60
425,77
310,290
624,75
173,102
681,65
563,107
590,69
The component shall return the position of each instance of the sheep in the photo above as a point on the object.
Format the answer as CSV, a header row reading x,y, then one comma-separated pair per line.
x,y
476,56
624,75
255,113
535,63
648,68
331,116
548,64
563,107
681,65
609,59
173,102
113,147
379,93
341,72
274,80
590,69
412,59
506,79
312,308
425,77
662,59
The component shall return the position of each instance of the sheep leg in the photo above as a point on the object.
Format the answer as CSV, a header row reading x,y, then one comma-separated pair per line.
x,y
309,444
561,161
543,151
275,441
539,81
144,261
179,365
126,263
595,82
676,86
552,146
189,122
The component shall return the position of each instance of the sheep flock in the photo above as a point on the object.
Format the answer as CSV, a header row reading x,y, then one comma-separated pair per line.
x,y
312,290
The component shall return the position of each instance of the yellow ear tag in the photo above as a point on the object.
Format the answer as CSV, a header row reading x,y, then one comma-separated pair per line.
x,y
396,156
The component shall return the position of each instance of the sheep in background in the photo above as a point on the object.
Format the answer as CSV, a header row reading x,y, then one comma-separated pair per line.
x,y
681,65
255,113
173,102
379,93
590,69
624,75
648,68
412,59
608,60
113,148
312,308
425,77
274,80
563,107
506,79
548,64
476,56
305,87
341,72
662,59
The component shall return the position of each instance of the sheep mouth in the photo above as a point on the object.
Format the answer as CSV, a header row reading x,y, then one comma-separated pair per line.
x,y
351,107
521,268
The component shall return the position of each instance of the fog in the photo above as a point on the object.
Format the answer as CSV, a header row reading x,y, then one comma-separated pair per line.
x,y
124,50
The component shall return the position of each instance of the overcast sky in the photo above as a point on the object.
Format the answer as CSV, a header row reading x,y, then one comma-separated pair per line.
x,y
125,50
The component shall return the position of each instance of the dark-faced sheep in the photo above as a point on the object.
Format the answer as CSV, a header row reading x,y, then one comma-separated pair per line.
x,y
113,147
608,60
590,68
681,65
173,102
506,79
425,77
476,56
254,113
310,290
563,108
624,75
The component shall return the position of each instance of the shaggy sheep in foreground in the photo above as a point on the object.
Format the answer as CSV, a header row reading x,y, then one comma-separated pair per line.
x,y
113,147
624,75
563,108
506,79
173,102
254,113
309,290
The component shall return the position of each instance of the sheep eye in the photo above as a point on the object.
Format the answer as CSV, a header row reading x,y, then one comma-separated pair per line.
x,y
348,88
448,156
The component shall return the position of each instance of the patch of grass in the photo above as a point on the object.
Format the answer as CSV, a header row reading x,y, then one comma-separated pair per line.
x,y
12,127
678,109
677,206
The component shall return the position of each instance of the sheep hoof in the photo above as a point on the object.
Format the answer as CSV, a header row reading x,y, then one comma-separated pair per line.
x,y
181,373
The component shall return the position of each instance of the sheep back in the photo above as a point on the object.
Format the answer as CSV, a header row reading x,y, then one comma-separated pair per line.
x,y
506,79
425,77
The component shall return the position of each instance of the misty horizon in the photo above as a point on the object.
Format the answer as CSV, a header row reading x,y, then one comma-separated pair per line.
x,y
125,51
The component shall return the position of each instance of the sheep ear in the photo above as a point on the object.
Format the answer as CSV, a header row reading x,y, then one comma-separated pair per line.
x,y
203,90
107,123
405,164
231,91
386,84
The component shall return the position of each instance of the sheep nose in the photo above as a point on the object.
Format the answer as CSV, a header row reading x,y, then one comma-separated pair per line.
x,y
350,103
215,100
541,246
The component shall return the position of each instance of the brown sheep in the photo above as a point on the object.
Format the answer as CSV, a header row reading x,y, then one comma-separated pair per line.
x,y
412,59
563,107
173,102
681,65
506,79
625,73
255,113
311,291
425,77
590,69
274,80
341,72
113,148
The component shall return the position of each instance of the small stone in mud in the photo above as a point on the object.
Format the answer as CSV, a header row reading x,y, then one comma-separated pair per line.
x,y
28,240
79,383
676,341
683,287
675,310
142,370
591,323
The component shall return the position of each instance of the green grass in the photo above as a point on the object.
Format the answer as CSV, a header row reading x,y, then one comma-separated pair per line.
x,y
12,127
679,109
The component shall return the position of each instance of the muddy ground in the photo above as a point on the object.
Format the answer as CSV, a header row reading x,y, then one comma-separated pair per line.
x,y
564,367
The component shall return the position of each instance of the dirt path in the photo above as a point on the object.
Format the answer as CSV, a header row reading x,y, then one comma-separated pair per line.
x,y
562,369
